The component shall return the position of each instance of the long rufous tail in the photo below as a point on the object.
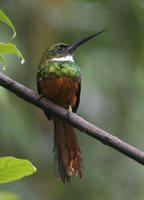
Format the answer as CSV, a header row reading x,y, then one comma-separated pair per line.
x,y
68,159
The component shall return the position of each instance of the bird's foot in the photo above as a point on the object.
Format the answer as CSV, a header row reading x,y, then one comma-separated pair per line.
x,y
69,110
40,97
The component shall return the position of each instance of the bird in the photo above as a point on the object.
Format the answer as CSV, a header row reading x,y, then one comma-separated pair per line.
x,y
59,80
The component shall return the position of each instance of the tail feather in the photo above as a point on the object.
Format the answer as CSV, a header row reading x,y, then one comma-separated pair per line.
x,y
68,159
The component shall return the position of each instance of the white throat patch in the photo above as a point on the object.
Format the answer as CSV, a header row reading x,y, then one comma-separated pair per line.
x,y
66,58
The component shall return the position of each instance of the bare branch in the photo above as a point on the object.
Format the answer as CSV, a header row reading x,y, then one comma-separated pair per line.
x,y
78,122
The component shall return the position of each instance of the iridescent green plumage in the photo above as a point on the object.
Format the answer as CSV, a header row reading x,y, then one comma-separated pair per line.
x,y
56,69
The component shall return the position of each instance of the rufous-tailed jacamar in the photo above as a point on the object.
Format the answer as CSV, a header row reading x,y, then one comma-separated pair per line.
x,y
59,80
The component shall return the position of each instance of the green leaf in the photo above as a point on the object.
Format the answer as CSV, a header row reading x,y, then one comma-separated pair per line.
x,y
4,195
11,49
7,21
2,59
13,169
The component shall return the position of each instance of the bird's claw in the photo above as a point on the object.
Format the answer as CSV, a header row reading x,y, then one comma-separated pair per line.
x,y
69,111
40,97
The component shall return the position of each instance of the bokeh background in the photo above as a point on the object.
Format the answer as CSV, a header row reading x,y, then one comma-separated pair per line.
x,y
112,97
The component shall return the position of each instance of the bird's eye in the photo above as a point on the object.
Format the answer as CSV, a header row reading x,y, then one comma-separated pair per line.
x,y
61,47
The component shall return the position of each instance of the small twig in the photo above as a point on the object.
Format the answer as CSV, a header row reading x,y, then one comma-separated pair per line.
x,y
78,122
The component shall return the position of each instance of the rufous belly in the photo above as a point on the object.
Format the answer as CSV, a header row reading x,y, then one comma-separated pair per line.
x,y
61,91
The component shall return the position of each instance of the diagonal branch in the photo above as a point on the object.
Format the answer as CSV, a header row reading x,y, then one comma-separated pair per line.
x,y
78,122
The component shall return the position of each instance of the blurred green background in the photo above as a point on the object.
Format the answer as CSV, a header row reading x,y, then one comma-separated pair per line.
x,y
112,97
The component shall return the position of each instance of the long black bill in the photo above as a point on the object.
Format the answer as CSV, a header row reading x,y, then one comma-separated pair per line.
x,y
75,45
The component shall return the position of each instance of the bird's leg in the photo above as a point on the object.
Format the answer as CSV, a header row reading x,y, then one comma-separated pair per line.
x,y
69,110
40,97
